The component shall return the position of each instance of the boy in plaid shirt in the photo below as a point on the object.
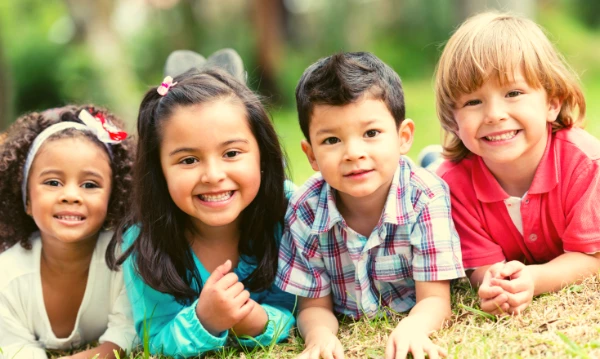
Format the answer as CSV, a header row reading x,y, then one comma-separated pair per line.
x,y
370,231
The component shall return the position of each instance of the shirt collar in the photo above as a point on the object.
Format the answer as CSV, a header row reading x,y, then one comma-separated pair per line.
x,y
545,179
327,214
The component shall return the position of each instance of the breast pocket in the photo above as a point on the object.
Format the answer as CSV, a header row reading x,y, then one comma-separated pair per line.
x,y
391,268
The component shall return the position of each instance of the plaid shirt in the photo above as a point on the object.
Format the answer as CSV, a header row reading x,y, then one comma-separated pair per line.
x,y
415,239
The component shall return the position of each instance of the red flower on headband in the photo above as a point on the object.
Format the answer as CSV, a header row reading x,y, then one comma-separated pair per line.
x,y
102,127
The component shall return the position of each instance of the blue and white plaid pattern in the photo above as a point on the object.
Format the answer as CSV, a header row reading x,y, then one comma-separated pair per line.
x,y
415,239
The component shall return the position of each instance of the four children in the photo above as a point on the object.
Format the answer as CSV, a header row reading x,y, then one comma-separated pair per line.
x,y
370,233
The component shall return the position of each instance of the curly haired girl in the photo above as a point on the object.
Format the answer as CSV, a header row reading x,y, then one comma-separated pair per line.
x,y
64,180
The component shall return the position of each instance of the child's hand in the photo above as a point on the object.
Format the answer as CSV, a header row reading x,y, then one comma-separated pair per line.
x,y
223,301
322,343
404,340
494,299
516,280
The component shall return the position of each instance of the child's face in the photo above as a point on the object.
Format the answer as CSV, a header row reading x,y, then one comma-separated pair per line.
x,y
506,124
69,189
357,146
211,162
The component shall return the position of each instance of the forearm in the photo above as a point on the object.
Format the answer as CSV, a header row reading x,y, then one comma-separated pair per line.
x,y
312,318
428,315
476,276
103,351
253,324
564,270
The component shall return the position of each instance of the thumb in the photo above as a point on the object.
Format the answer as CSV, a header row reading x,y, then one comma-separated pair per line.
x,y
219,273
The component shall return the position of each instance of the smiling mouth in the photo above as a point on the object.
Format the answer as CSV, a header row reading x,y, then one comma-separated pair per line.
x,y
503,137
216,197
70,218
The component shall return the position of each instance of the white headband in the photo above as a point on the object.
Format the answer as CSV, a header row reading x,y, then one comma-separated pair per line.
x,y
101,128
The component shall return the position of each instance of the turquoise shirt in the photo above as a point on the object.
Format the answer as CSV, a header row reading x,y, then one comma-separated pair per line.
x,y
174,329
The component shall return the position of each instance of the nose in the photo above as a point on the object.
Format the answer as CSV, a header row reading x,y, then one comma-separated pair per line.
x,y
212,172
354,150
495,112
71,194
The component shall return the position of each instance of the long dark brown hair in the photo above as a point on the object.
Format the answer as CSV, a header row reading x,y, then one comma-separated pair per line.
x,y
162,254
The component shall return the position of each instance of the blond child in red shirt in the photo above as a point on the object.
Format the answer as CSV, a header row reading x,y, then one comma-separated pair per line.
x,y
524,177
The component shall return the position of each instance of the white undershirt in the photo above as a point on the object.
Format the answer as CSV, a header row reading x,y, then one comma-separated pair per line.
x,y
513,205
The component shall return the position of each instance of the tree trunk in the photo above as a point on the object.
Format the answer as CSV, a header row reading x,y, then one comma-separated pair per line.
x,y
268,22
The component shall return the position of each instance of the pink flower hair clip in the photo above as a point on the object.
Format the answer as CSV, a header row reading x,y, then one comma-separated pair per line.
x,y
165,86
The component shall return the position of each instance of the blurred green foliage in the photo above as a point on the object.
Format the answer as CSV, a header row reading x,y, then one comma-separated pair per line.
x,y
48,67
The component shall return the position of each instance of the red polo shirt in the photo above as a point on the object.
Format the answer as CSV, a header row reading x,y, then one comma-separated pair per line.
x,y
561,210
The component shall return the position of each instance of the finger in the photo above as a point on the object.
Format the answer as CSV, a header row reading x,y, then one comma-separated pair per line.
x,y
494,270
515,300
327,352
442,352
234,290
338,351
245,309
315,352
512,286
518,310
401,350
227,281
511,268
241,298
490,291
492,305
417,352
432,351
390,348
218,273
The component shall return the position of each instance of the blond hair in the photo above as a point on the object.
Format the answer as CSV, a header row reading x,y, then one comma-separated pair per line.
x,y
493,46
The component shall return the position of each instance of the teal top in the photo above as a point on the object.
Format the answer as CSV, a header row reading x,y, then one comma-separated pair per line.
x,y
174,329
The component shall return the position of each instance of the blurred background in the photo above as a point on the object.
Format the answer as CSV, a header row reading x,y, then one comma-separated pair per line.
x,y
109,52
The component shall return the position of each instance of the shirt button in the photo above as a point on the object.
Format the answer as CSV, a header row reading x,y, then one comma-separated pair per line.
x,y
527,201
533,237
373,307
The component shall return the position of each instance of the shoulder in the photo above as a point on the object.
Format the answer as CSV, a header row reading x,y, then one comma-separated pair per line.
x,y
308,195
577,142
457,171
17,262
420,181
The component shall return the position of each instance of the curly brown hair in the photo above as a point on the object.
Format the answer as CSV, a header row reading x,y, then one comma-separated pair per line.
x,y
15,225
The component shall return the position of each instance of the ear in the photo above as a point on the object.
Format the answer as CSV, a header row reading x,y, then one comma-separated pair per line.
x,y
554,107
406,134
310,155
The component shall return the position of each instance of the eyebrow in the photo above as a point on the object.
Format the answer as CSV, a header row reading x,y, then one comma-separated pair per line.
x,y
59,172
193,149
323,131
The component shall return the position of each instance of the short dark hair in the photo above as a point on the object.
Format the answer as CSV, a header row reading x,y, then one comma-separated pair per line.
x,y
161,251
344,78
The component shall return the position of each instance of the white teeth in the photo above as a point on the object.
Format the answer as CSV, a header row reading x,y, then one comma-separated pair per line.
x,y
70,218
504,136
216,198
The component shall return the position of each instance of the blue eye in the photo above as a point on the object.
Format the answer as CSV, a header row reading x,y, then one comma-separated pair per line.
x,y
331,141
